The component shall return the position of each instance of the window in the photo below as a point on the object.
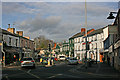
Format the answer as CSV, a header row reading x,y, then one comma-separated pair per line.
x,y
9,41
29,44
91,38
96,45
16,42
95,37
82,39
22,45
26,44
92,46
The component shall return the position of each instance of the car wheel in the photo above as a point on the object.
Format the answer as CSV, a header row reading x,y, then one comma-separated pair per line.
x,y
34,66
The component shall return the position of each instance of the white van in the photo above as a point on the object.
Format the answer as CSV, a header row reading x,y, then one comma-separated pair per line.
x,y
61,57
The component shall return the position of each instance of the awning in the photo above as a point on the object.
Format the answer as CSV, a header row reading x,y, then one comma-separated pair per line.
x,y
12,50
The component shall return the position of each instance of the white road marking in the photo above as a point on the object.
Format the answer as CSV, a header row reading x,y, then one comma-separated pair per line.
x,y
34,75
51,76
29,71
6,77
59,74
55,75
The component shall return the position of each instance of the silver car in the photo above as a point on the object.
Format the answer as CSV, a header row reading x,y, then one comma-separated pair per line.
x,y
27,62
72,61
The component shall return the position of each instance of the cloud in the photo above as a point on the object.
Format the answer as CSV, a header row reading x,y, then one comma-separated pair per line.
x,y
14,7
57,21
40,23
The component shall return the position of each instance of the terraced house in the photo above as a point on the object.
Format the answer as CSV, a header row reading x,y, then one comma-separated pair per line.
x,y
95,42
65,48
15,46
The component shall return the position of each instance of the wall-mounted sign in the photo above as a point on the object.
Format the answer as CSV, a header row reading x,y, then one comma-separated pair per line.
x,y
110,49
112,29
117,44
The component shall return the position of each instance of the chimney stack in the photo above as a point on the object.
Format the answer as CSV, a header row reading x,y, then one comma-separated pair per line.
x,y
20,33
12,30
82,30
27,37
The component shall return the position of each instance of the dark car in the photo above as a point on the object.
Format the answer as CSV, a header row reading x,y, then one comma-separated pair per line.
x,y
67,58
45,60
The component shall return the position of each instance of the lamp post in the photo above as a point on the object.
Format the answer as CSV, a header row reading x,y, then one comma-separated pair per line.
x,y
111,15
118,23
86,34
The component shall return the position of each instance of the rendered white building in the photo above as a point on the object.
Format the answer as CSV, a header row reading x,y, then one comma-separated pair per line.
x,y
95,39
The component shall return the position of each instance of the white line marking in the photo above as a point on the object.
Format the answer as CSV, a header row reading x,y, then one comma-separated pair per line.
x,y
51,77
34,75
59,74
6,77
29,71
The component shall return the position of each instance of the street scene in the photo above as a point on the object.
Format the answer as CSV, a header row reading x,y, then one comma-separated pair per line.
x,y
60,40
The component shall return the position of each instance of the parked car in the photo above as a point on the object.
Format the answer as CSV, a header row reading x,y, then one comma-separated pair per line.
x,y
73,61
27,62
61,57
88,60
67,58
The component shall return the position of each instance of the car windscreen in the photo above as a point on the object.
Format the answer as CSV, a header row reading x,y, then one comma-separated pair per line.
x,y
26,59
62,56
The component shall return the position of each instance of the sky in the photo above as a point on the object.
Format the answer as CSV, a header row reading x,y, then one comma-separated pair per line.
x,y
57,21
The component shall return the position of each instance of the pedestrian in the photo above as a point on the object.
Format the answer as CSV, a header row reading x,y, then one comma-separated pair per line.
x,y
103,60
108,60
55,58
40,60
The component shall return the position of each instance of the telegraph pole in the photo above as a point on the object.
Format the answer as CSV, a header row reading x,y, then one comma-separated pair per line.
x,y
86,34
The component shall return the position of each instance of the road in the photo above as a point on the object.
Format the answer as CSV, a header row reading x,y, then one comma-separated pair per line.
x,y
61,71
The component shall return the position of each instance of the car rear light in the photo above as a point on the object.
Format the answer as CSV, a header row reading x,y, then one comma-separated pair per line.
x,y
32,61
21,61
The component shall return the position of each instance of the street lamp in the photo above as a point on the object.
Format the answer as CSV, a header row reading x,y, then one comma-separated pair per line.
x,y
111,15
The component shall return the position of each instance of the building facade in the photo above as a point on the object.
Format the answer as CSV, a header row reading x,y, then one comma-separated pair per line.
x,y
65,48
15,46
95,42
117,42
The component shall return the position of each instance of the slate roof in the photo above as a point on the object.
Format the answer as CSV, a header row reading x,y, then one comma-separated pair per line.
x,y
16,35
79,34
115,22
98,31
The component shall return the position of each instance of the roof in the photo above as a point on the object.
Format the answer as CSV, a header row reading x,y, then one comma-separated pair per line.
x,y
7,32
57,47
98,31
16,35
115,22
79,34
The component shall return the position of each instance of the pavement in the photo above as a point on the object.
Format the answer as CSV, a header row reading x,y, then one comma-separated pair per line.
x,y
17,64
99,69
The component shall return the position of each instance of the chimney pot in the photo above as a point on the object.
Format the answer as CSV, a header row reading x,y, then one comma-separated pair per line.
x,y
8,25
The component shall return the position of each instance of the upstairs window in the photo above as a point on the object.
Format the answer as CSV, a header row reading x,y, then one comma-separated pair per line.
x,y
16,42
9,41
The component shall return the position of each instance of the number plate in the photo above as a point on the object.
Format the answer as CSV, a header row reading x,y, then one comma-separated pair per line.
x,y
27,62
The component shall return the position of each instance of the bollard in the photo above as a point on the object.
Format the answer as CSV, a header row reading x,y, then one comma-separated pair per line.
x,y
52,62
41,60
48,62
